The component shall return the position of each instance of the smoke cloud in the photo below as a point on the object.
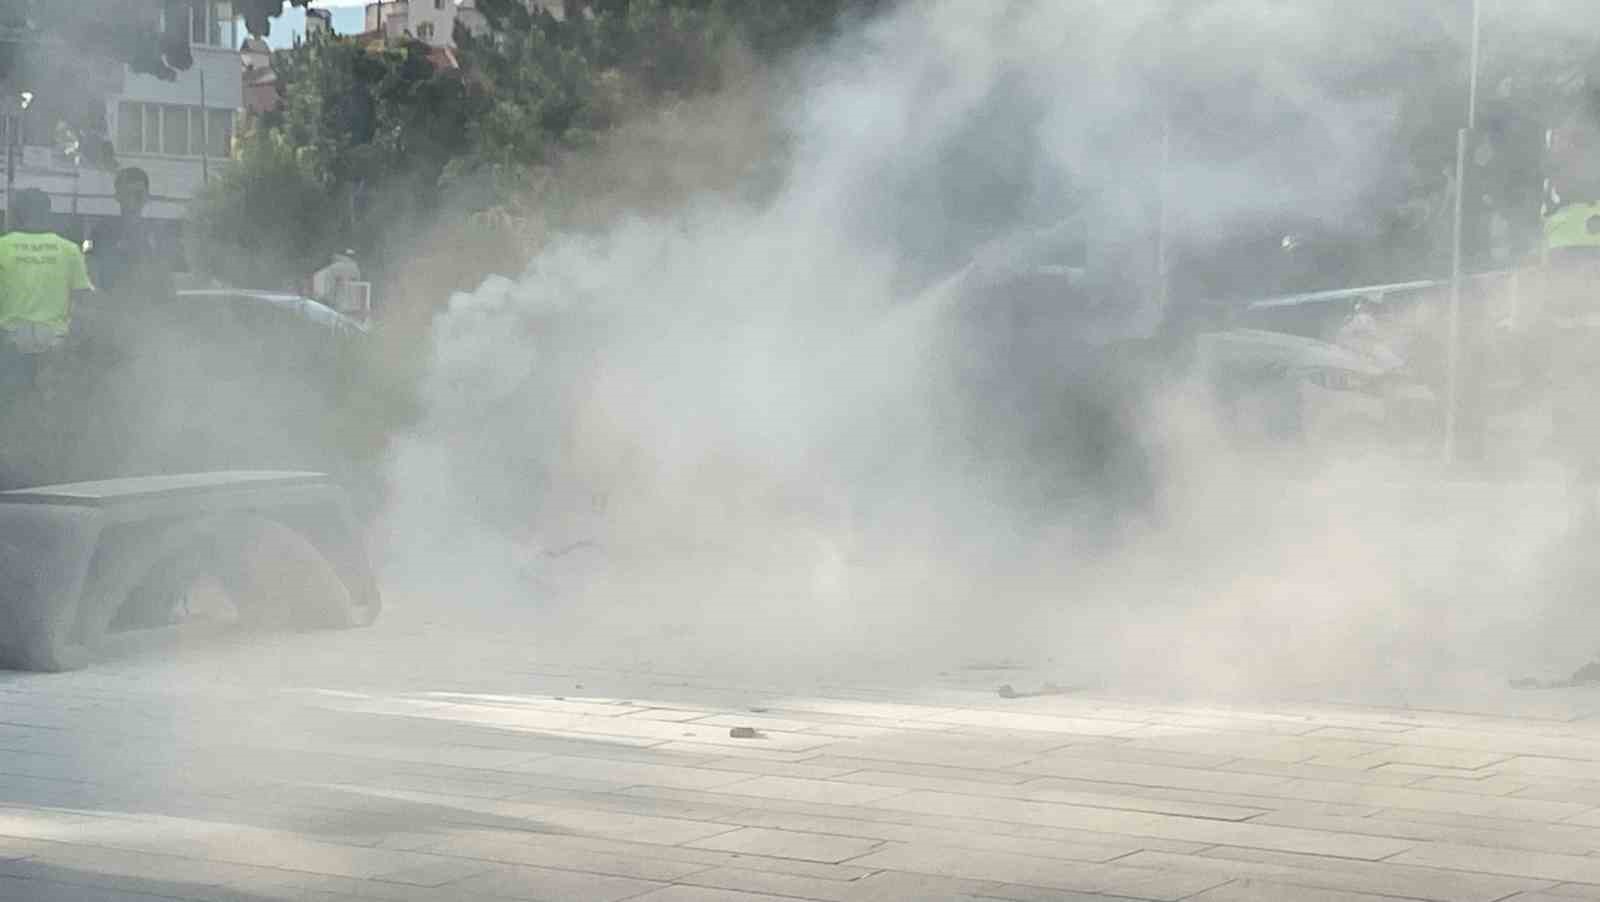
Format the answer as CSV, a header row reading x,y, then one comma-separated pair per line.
x,y
839,408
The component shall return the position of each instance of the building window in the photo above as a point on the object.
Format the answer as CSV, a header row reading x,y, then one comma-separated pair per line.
x,y
438,4
425,31
211,23
130,128
174,131
221,134
152,127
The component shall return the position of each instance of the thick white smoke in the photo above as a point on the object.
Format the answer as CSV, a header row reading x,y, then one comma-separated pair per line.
x,y
784,426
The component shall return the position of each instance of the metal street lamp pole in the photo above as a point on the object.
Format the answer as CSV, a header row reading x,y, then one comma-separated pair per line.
x,y
1463,138
15,123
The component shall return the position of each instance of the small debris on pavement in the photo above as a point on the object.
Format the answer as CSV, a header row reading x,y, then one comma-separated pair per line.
x,y
744,733
756,709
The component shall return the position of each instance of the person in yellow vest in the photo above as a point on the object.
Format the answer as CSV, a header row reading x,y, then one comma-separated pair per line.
x,y
1567,339
1572,228
41,274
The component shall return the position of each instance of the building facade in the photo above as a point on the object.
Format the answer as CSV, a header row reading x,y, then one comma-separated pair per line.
x,y
430,21
180,132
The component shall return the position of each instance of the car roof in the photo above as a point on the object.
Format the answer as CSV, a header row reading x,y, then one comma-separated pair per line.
x,y
314,311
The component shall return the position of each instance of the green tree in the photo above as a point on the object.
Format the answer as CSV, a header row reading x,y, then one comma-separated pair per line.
x,y
370,127
556,81
264,217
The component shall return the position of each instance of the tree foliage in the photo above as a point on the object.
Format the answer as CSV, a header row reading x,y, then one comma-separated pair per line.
x,y
360,142
264,216
555,81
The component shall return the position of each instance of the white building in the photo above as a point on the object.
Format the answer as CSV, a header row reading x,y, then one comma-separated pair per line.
x,y
430,21
177,131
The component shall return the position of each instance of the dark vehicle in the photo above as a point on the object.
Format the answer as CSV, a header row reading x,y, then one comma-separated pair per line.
x,y
1352,369
206,380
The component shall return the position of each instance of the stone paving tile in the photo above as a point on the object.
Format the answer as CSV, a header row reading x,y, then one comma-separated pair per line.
x,y
826,792
1471,821
1570,840
1504,786
766,722
1046,842
1262,891
704,894
1506,745
1132,797
1161,826
894,886
788,844
627,772
1038,723
739,749
114,877
1139,802
550,885
1151,775
1550,767
548,817
1515,862
1468,883
806,771
670,715
434,873
1134,753
1310,871
619,860
788,885
1390,797
320,888
28,890
1460,759
641,860
945,750
1049,873
1374,776
935,771
1260,803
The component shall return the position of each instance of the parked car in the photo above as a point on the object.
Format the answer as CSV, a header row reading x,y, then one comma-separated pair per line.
x,y
205,380
1278,387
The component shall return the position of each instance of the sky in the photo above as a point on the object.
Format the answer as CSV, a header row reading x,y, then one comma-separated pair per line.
x,y
347,19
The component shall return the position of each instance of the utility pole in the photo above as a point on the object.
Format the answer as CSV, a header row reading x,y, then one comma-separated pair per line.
x,y
14,124
12,120
1452,415
1163,286
205,133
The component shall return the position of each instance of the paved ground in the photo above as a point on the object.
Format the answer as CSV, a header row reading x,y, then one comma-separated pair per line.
x,y
414,763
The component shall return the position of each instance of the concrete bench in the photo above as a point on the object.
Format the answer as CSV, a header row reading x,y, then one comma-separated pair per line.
x,y
283,545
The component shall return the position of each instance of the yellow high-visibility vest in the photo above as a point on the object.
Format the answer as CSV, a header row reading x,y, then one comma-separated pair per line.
x,y
38,274
1574,225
